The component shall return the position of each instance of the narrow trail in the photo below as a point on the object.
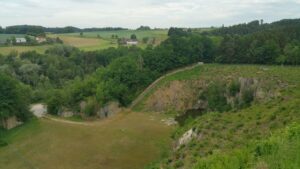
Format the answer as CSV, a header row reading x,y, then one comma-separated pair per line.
x,y
142,95
69,122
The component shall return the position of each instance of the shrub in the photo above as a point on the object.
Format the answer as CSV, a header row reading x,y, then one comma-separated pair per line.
x,y
215,96
55,102
91,107
234,87
247,97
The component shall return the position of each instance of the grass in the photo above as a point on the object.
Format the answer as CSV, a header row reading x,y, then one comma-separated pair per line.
x,y
86,44
127,141
280,151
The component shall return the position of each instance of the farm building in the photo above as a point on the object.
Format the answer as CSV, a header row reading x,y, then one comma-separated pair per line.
x,y
21,40
10,122
132,42
40,39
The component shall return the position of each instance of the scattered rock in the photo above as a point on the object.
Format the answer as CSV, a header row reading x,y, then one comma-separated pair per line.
x,y
186,138
39,110
67,114
169,121
109,110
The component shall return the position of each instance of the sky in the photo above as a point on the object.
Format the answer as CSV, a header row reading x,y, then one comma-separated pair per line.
x,y
153,13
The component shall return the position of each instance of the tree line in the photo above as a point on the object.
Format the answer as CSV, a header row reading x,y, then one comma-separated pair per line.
x,y
40,31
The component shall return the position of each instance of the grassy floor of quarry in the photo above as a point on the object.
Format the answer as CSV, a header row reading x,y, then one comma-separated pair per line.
x,y
127,141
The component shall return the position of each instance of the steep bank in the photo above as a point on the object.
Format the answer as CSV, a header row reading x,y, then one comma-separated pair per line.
x,y
236,105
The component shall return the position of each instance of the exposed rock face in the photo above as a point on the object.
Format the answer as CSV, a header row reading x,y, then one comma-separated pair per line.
x,y
82,106
109,110
178,96
186,138
39,110
169,121
181,96
9,123
67,113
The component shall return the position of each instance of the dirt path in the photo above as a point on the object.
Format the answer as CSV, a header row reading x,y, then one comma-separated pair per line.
x,y
69,122
142,95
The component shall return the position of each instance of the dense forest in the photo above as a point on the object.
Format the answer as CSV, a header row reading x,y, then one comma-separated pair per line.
x,y
64,76
39,30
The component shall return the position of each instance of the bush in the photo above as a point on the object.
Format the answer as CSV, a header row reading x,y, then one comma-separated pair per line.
x,y
215,96
234,88
55,103
91,107
247,97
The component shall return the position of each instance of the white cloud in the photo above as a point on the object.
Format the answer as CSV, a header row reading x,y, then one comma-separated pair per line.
x,y
132,13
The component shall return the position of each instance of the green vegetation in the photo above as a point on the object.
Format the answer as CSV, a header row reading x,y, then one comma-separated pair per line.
x,y
279,151
224,138
13,99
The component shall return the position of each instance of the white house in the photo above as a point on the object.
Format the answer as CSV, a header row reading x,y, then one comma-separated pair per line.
x,y
40,39
132,42
21,40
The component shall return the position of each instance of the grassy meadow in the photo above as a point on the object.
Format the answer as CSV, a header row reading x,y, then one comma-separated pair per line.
x,y
127,141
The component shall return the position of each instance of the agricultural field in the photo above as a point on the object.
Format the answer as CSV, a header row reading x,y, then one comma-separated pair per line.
x,y
127,141
159,35
6,50
90,40
86,44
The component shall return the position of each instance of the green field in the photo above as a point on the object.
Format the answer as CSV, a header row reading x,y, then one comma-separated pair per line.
x,y
89,41
159,34
20,49
127,141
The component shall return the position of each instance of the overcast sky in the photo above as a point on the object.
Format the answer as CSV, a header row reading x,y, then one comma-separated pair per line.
x,y
133,13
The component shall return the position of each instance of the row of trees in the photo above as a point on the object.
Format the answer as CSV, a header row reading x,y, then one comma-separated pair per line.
x,y
39,30
25,29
